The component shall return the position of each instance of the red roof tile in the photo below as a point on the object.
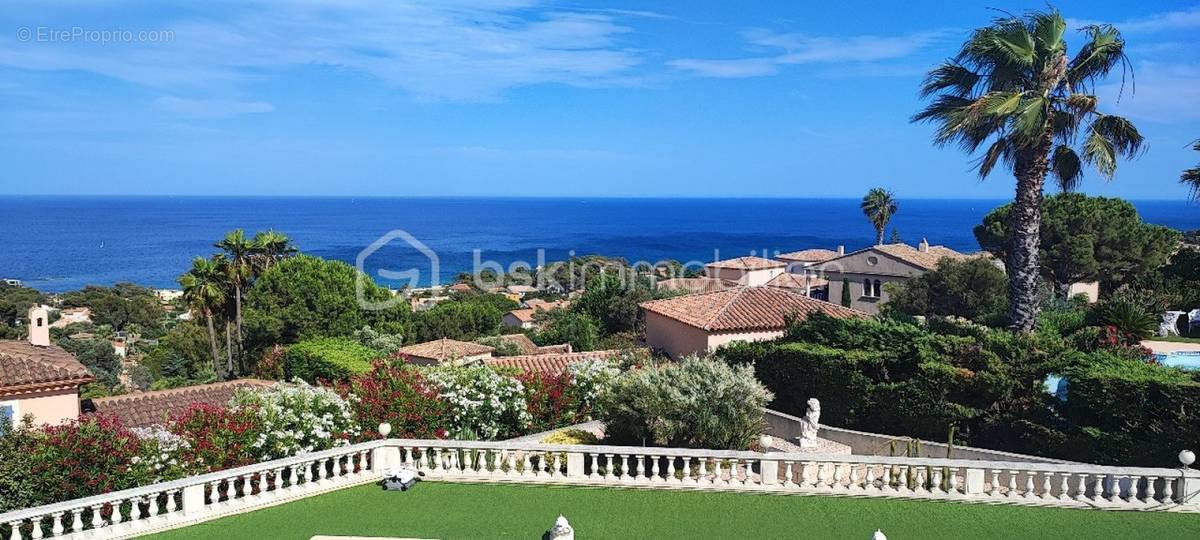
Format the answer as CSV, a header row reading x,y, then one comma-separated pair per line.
x,y
445,349
746,263
808,255
145,409
744,308
26,367
550,363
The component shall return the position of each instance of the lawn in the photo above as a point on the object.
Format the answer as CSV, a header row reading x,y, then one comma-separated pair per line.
x,y
444,510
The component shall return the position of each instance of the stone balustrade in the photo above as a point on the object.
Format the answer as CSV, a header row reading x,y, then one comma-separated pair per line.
x,y
191,500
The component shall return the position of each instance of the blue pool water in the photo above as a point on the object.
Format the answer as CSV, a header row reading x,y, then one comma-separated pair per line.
x,y
1181,359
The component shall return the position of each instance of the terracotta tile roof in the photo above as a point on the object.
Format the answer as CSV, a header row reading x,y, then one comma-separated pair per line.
x,y
808,255
744,308
554,349
523,315
145,409
445,349
460,287
696,284
924,259
796,281
26,367
746,263
522,342
550,363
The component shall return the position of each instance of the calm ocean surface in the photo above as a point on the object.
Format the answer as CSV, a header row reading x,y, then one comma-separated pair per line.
x,y
63,243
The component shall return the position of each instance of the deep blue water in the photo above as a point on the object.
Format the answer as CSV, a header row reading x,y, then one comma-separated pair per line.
x,y
63,243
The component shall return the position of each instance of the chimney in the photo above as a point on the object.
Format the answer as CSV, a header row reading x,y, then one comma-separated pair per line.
x,y
39,326
841,250
923,247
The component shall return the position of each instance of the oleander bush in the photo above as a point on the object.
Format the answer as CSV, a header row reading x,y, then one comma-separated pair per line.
x,y
296,419
482,401
399,393
694,403
218,437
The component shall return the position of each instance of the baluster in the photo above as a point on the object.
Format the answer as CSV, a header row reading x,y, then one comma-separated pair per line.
x,y
919,477
56,524
837,476
1150,480
1097,488
749,468
437,459
526,466
671,470
1133,485
15,526
994,487
406,454
654,469
803,481
277,481
1168,495
610,469
171,504
787,474
705,469
1064,486
1029,492
870,481
1045,494
593,473
152,504
935,482
97,520
952,481
117,517
36,531
135,509
733,471
687,470
630,471
1012,483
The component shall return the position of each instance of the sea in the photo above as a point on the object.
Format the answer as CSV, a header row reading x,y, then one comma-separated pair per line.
x,y
60,243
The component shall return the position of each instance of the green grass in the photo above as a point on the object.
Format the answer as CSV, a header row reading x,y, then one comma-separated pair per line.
x,y
443,510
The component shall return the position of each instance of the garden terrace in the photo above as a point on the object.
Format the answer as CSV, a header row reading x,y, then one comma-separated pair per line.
x,y
882,483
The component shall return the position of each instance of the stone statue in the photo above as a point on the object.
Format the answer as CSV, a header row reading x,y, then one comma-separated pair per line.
x,y
561,530
810,424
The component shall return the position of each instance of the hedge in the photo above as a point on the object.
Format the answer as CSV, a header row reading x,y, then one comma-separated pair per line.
x,y
328,359
1130,411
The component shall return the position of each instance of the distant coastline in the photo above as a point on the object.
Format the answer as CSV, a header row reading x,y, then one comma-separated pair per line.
x,y
58,243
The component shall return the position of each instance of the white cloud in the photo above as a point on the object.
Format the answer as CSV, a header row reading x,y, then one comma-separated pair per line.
x,y
467,50
211,108
1165,93
798,48
1170,20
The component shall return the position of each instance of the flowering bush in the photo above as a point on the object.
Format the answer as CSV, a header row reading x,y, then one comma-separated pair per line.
x,y
161,454
482,401
400,394
218,437
296,419
555,400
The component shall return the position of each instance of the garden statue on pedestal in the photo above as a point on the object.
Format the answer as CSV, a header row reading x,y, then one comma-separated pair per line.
x,y
810,424
560,531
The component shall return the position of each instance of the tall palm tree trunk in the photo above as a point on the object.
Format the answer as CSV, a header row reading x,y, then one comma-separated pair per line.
x,y
879,236
212,341
1023,265
237,306
228,350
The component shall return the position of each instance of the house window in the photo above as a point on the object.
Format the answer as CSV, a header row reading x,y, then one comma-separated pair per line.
x,y
8,413
878,289
872,289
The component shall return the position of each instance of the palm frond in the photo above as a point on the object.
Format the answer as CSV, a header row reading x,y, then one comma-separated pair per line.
x,y
1067,168
1029,126
1191,177
1124,137
1104,50
1099,152
1048,30
951,77
999,151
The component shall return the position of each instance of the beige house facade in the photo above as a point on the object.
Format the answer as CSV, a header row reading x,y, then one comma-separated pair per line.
x,y
867,272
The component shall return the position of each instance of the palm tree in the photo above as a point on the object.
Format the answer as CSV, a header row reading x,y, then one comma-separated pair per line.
x,y
271,247
240,251
203,292
1191,177
879,205
1013,85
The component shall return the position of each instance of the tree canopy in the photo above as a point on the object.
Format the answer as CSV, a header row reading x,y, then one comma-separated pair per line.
x,y
1086,239
973,288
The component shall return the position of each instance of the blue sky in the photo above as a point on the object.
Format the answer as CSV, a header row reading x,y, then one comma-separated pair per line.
x,y
529,98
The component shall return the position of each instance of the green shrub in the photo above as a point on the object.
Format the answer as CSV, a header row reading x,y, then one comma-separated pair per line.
x,y
1127,316
1131,412
695,403
329,359
570,436
974,288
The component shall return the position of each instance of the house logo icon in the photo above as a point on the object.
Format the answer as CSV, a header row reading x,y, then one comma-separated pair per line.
x,y
411,275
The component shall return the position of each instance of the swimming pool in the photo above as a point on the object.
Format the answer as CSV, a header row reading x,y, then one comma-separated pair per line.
x,y
1180,359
